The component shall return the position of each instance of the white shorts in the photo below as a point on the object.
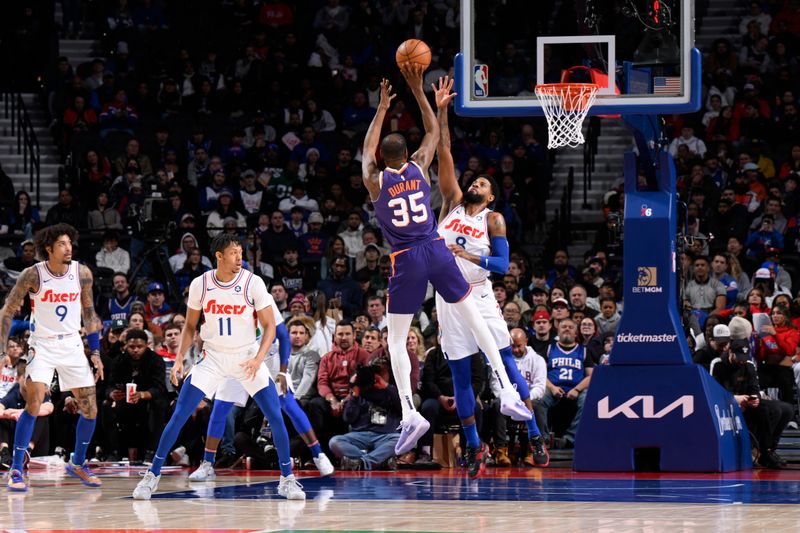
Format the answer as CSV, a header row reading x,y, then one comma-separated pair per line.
x,y
455,336
210,374
64,355
233,391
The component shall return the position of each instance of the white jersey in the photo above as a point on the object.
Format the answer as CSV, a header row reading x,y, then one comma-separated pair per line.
x,y
229,309
56,306
471,233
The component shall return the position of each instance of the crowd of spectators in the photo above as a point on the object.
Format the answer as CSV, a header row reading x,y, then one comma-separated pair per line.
x,y
252,125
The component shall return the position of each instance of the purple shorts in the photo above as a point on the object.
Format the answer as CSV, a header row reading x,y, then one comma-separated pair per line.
x,y
412,268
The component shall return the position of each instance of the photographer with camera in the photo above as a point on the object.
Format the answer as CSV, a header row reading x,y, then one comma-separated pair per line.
x,y
373,412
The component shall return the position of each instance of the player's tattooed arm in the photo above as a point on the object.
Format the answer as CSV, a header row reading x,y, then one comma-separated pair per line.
x,y
28,281
90,319
87,401
497,225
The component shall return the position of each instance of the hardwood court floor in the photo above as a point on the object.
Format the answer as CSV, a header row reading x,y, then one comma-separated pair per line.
x,y
505,501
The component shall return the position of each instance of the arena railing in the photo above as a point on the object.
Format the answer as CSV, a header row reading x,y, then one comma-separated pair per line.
x,y
27,142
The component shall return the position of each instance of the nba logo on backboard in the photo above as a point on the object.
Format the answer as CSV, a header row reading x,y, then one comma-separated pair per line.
x,y
481,77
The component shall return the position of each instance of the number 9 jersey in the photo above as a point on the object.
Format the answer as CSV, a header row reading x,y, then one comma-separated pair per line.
x,y
228,309
56,306
403,208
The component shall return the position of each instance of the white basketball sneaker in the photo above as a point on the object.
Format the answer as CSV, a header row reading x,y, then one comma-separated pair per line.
x,y
289,488
205,472
511,405
324,465
146,487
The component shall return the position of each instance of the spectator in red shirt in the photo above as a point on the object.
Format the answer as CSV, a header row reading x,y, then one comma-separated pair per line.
x,y
275,14
156,310
776,351
78,120
336,368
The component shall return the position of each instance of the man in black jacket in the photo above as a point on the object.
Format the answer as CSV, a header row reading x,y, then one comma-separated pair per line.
x,y
716,346
373,412
136,421
439,403
766,419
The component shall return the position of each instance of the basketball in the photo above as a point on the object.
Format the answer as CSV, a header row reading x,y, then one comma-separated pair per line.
x,y
413,51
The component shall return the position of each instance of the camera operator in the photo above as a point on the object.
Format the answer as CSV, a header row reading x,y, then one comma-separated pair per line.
x,y
373,412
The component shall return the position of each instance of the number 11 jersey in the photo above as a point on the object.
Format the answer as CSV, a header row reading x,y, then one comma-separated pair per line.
x,y
403,208
228,309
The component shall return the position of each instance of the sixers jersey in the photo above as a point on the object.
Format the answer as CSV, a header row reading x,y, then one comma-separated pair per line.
x,y
403,208
56,306
565,368
472,234
228,309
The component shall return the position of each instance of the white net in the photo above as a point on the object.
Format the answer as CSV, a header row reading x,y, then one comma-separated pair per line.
x,y
565,106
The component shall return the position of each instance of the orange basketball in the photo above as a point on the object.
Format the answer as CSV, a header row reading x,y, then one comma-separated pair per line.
x,y
413,51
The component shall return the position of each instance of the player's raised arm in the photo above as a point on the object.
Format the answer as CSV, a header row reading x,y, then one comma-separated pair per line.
x,y
369,164
91,322
413,72
28,281
448,184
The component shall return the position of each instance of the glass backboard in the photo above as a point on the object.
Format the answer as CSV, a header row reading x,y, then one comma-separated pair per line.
x,y
510,46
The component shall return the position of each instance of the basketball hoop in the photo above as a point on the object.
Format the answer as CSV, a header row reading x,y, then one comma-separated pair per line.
x,y
565,106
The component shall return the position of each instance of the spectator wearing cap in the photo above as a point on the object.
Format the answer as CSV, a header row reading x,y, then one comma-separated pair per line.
x,y
696,146
539,296
704,292
225,209
156,310
291,272
111,255
560,311
717,346
209,194
296,222
188,242
252,195
773,208
765,237
313,242
766,419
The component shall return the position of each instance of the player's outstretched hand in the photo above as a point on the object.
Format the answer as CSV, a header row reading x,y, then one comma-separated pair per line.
x,y
413,73
251,367
443,92
386,95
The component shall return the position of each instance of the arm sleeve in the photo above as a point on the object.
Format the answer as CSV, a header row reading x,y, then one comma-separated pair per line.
x,y
498,261
284,344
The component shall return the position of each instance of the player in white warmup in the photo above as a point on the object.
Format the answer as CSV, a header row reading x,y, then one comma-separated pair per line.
x,y
477,237
227,298
61,297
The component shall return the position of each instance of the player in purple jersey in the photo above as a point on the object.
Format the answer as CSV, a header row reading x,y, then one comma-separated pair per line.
x,y
401,196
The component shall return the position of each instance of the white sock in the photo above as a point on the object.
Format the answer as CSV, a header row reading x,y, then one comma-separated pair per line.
x,y
485,342
398,326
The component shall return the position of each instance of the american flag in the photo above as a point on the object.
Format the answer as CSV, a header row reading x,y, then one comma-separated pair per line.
x,y
667,85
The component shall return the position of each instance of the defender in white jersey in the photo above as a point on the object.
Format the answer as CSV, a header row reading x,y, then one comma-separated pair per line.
x,y
60,290
227,297
477,237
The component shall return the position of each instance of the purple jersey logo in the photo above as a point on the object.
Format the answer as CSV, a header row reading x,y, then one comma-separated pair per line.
x,y
403,208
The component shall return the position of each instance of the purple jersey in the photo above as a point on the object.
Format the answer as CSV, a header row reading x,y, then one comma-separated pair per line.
x,y
403,207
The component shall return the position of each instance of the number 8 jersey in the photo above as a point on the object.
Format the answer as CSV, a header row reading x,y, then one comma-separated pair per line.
x,y
403,207
228,309
56,306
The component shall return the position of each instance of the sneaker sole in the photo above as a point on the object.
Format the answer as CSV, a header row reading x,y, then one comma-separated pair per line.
x,y
412,438
17,489
87,483
195,480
